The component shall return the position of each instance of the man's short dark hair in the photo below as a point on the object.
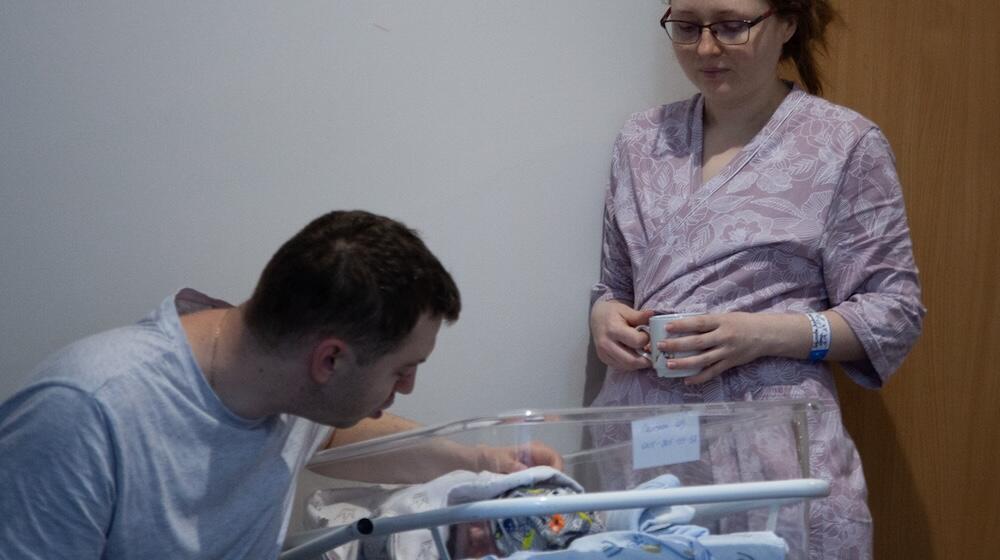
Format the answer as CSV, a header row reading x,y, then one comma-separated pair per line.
x,y
354,275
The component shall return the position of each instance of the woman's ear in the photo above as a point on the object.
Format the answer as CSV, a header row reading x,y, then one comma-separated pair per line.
x,y
327,356
790,27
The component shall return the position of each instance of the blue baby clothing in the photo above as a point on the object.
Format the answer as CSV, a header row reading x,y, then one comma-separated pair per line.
x,y
659,520
623,545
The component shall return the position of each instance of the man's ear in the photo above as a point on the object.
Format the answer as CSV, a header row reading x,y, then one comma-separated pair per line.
x,y
327,355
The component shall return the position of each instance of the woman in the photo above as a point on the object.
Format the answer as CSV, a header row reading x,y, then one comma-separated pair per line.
x,y
780,215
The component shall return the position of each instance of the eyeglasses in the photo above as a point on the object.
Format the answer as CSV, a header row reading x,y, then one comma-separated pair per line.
x,y
729,32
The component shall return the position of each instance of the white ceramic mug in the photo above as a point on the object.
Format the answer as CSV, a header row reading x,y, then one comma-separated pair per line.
x,y
657,330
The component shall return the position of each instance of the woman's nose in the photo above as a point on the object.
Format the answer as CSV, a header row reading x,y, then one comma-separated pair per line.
x,y
707,43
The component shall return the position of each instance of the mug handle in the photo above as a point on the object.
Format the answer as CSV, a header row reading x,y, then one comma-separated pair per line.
x,y
641,353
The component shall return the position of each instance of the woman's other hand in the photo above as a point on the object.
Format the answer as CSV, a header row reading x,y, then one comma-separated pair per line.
x,y
616,339
723,341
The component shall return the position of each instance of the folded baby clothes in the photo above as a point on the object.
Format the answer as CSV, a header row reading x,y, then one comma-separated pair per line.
x,y
758,545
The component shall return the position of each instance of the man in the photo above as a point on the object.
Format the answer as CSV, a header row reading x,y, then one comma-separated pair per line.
x,y
181,436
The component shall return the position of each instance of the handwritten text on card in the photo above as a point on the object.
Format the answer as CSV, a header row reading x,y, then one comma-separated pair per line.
x,y
666,440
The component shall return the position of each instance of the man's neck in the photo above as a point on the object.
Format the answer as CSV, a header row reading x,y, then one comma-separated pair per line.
x,y
246,378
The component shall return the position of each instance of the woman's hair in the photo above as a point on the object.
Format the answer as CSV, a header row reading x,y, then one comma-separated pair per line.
x,y
361,277
811,18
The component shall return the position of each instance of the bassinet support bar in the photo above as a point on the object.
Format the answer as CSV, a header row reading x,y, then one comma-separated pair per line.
x,y
756,493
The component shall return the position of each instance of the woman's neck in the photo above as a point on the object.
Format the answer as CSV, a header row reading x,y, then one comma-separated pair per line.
x,y
743,118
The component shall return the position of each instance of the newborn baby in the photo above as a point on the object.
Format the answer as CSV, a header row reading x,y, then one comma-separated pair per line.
x,y
328,508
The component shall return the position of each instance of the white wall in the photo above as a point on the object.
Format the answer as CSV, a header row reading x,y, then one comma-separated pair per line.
x,y
146,146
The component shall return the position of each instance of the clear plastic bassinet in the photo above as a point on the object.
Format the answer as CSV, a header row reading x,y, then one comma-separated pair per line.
x,y
608,450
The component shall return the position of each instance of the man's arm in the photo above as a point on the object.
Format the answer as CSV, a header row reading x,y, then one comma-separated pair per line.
x,y
57,488
427,459
369,428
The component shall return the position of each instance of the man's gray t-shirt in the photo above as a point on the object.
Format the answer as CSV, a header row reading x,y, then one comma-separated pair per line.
x,y
120,449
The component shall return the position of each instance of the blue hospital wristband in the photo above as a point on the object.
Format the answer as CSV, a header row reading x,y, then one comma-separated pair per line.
x,y
820,336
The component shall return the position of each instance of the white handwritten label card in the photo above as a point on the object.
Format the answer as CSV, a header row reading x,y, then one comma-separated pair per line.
x,y
666,440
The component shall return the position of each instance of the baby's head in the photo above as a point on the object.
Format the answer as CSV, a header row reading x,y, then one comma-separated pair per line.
x,y
471,540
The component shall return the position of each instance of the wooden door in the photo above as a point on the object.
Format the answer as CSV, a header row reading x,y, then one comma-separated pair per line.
x,y
928,72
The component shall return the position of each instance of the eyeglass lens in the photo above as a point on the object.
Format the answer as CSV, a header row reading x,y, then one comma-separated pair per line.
x,y
728,32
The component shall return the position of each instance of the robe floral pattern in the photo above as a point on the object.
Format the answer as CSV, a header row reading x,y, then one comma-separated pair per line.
x,y
809,216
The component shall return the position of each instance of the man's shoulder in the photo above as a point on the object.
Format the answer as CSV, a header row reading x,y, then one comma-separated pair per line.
x,y
93,363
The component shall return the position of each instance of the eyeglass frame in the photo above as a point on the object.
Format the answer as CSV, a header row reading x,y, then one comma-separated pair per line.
x,y
750,23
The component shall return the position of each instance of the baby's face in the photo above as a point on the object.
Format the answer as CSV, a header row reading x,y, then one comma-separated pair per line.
x,y
472,540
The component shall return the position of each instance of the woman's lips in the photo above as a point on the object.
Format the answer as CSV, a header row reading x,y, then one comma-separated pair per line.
x,y
714,72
